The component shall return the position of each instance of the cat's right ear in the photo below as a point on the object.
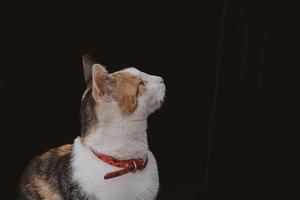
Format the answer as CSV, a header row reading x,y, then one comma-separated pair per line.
x,y
88,63
101,82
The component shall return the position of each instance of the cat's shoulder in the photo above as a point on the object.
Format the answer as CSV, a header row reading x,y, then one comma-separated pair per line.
x,y
50,156
37,181
56,152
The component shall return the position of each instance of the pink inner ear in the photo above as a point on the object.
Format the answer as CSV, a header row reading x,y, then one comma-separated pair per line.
x,y
99,81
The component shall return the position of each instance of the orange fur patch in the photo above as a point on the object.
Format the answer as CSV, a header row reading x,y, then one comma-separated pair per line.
x,y
60,151
126,91
64,150
45,189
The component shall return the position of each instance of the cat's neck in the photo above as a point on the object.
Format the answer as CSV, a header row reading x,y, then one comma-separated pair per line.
x,y
120,138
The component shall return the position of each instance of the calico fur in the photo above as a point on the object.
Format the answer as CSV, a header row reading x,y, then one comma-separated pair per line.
x,y
49,176
114,111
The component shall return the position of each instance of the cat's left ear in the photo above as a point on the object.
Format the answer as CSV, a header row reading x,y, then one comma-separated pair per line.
x,y
88,63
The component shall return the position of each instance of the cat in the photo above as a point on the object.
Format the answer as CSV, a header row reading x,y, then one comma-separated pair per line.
x,y
110,159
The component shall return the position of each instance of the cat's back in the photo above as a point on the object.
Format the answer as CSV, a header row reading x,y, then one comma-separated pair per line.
x,y
49,177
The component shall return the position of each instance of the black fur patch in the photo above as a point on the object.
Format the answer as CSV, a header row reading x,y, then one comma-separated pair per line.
x,y
87,113
49,176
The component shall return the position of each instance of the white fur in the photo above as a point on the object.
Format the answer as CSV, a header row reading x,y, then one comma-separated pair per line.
x,y
123,138
90,170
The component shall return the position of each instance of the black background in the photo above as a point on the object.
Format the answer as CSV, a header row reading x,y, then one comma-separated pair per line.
x,y
226,129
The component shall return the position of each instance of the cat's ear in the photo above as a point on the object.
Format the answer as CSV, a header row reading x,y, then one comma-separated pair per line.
x,y
88,63
100,86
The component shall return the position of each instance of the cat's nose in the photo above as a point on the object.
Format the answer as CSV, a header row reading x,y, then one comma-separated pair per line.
x,y
157,79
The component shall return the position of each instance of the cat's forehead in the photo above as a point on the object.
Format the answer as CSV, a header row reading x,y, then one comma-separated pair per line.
x,y
133,71
129,74
137,74
132,75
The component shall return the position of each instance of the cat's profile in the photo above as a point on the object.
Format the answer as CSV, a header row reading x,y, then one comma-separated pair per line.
x,y
110,160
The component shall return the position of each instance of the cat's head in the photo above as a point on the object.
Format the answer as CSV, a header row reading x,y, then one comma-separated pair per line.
x,y
127,94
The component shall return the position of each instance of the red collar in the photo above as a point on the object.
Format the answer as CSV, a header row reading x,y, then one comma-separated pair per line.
x,y
128,165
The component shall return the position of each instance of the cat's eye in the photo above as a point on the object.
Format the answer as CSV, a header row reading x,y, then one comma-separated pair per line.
x,y
142,82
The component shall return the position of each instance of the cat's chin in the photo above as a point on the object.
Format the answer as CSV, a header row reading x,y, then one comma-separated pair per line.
x,y
155,106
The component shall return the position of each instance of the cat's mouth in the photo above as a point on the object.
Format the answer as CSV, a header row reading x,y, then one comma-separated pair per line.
x,y
157,104
159,100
